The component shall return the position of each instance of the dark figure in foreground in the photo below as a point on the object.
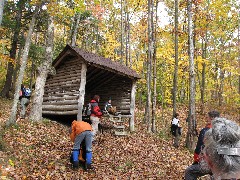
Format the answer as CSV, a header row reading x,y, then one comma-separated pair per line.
x,y
222,149
194,171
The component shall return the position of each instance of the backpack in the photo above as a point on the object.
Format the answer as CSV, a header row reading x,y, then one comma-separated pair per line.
x,y
89,109
27,92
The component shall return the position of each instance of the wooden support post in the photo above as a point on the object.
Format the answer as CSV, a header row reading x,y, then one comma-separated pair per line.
x,y
132,106
82,91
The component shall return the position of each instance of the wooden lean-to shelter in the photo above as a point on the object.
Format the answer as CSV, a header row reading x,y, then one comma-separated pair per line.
x,y
80,75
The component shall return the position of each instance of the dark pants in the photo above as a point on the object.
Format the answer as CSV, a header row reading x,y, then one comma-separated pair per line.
x,y
193,172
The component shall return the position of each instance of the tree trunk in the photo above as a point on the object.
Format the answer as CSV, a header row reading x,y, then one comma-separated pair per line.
x,y
42,72
154,71
239,49
149,65
10,69
204,56
75,29
1,11
122,28
12,118
176,60
17,66
191,135
220,91
127,39
202,88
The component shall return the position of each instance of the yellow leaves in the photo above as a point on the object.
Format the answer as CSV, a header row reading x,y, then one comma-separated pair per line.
x,y
112,44
11,162
6,58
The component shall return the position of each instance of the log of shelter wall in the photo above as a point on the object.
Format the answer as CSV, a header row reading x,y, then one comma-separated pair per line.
x,y
61,91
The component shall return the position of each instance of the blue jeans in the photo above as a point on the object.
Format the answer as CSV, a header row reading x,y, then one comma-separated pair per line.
x,y
87,136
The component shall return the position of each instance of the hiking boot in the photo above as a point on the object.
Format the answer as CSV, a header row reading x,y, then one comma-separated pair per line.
x,y
75,165
88,167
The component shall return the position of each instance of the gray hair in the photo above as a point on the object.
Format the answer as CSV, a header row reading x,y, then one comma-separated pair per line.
x,y
224,134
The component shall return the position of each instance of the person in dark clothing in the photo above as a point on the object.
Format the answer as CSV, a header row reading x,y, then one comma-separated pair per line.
x,y
108,105
194,171
175,129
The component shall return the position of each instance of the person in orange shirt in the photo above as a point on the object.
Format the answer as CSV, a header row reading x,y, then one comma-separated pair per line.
x,y
81,131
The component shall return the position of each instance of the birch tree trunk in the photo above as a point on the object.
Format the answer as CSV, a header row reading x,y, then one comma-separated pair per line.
x,y
204,56
42,72
191,135
75,29
149,64
12,119
127,39
122,28
154,70
1,10
175,76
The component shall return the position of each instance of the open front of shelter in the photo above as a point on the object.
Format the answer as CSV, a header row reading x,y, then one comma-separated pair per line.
x,y
80,75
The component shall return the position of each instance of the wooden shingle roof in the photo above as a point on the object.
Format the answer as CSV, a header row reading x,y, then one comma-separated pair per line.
x,y
95,59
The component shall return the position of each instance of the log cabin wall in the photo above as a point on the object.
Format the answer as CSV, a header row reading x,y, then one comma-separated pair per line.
x,y
62,90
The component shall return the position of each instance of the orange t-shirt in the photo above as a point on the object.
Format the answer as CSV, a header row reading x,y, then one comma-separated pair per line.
x,y
78,127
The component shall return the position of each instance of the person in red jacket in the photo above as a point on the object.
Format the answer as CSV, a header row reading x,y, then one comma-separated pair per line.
x,y
81,131
194,171
96,114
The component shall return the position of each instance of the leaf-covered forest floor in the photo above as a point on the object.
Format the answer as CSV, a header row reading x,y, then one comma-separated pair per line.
x,y
40,150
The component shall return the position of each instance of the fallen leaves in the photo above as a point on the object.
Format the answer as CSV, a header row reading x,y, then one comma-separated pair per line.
x,y
42,150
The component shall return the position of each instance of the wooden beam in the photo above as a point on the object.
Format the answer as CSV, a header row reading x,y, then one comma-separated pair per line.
x,y
93,77
82,91
59,112
132,106
91,71
59,98
68,52
63,102
60,107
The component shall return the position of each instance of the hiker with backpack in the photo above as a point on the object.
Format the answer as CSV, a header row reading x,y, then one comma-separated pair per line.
x,y
96,114
24,97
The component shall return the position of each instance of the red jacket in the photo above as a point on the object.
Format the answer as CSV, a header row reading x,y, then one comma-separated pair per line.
x,y
95,110
200,143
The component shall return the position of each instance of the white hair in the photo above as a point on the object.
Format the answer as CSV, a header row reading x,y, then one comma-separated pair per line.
x,y
224,134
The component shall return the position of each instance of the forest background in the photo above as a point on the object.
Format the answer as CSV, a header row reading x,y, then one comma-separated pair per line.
x,y
191,63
